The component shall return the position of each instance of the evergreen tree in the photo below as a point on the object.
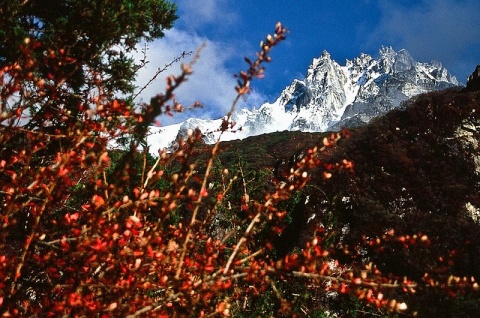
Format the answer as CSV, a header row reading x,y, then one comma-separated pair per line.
x,y
93,34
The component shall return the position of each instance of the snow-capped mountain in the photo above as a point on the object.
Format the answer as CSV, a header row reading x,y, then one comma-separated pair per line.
x,y
330,97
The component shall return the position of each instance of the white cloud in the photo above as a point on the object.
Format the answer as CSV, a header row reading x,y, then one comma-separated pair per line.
x,y
196,13
211,83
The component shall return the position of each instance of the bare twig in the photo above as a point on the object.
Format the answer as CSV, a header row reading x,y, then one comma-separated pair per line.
x,y
240,242
245,193
275,289
154,307
243,260
161,70
349,281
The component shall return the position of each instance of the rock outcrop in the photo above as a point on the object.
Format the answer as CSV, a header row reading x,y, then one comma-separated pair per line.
x,y
473,82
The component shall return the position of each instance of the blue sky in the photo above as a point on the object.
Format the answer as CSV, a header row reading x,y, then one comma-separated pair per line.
x,y
444,30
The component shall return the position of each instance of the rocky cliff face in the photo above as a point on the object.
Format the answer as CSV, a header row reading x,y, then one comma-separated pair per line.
x,y
334,96
473,83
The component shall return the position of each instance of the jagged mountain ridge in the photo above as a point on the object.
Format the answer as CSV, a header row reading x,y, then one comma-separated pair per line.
x,y
330,97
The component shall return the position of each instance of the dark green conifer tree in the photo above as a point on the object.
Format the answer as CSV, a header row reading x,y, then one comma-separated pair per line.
x,y
94,34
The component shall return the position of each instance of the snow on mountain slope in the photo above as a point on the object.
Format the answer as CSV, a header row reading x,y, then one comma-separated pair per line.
x,y
330,97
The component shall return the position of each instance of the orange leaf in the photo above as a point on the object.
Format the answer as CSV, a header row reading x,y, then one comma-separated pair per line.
x,y
97,201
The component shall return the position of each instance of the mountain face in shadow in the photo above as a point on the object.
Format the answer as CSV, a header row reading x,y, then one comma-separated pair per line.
x,y
416,172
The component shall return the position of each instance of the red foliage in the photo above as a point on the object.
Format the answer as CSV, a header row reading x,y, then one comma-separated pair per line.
x,y
74,242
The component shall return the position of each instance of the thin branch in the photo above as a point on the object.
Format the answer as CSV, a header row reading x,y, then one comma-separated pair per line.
x,y
67,239
240,242
349,281
161,70
275,289
155,306
243,181
144,166
234,253
260,251
130,203
150,172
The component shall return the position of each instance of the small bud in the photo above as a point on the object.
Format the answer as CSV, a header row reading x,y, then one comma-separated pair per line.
x,y
278,27
402,307
138,261
326,142
187,69
134,218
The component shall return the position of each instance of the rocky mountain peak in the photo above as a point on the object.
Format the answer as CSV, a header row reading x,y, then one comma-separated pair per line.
x,y
386,51
332,96
392,62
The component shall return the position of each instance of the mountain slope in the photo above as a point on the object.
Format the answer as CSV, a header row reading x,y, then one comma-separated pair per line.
x,y
417,172
331,97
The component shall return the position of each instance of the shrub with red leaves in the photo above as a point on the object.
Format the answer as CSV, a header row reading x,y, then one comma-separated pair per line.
x,y
89,230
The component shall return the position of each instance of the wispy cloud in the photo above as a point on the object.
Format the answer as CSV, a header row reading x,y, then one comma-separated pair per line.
x,y
211,83
195,14
431,30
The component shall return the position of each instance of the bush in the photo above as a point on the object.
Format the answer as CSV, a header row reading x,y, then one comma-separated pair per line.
x,y
88,230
